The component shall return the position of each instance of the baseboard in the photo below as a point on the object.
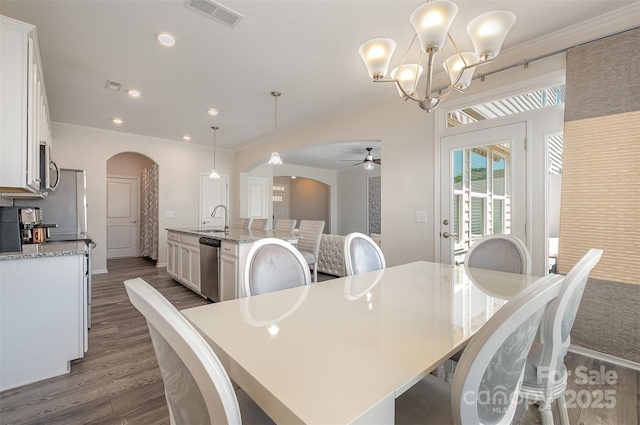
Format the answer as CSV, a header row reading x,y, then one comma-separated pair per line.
x,y
161,264
99,271
605,357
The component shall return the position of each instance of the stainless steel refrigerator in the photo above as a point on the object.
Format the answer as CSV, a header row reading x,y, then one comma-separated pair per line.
x,y
66,206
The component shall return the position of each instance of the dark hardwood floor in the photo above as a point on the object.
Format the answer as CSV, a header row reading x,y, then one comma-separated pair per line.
x,y
118,380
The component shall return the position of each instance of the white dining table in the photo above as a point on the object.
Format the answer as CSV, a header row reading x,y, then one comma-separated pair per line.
x,y
341,351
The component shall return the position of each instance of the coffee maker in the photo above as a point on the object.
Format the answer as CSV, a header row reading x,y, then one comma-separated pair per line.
x,y
32,228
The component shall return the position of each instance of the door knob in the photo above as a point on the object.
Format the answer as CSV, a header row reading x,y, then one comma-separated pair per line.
x,y
134,221
448,235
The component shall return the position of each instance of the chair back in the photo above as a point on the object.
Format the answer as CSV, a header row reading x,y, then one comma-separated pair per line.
x,y
259,223
242,223
272,264
285,225
197,388
310,232
487,380
559,318
362,254
504,253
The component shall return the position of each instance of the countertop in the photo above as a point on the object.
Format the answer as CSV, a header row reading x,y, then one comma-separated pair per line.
x,y
47,249
236,235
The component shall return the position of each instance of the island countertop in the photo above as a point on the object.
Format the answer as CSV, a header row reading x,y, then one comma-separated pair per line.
x,y
236,235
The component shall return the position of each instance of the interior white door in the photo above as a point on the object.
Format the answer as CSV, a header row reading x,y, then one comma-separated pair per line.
x,y
483,187
213,192
258,195
122,217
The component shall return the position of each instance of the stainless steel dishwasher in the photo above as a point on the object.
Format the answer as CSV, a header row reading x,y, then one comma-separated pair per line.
x,y
209,266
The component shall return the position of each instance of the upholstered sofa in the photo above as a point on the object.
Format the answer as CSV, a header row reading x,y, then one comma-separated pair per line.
x,y
331,255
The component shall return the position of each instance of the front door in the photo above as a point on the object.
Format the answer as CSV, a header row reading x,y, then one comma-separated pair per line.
x,y
122,217
483,188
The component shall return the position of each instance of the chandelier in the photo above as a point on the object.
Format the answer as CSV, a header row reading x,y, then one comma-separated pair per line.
x,y
275,156
431,22
214,173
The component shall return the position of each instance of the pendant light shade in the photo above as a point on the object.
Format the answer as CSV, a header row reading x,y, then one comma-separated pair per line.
x,y
488,31
275,156
214,173
275,159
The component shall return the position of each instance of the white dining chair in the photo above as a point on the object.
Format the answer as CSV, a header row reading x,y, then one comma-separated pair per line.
x,y
361,254
310,233
486,385
197,387
272,264
504,253
545,378
285,225
259,224
243,223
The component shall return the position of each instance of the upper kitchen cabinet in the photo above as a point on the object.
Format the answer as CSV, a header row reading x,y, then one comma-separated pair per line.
x,y
24,112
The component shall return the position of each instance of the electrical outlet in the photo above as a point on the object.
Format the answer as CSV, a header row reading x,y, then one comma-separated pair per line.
x,y
168,214
421,216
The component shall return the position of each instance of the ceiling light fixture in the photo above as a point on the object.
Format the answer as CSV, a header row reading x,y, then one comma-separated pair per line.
x,y
275,156
212,111
117,121
214,173
431,22
134,93
186,137
166,39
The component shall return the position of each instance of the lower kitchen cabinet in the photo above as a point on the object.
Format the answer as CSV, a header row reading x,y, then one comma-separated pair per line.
x,y
43,307
183,259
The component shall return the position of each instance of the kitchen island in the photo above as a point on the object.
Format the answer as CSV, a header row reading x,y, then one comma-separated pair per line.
x,y
183,255
43,311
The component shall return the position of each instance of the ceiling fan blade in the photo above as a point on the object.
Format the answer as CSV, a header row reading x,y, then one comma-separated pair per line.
x,y
377,161
358,163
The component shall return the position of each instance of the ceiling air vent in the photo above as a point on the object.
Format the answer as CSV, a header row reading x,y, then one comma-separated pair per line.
x,y
113,85
214,11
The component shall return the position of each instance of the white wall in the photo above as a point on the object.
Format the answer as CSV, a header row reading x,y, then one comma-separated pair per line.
x,y
353,199
180,165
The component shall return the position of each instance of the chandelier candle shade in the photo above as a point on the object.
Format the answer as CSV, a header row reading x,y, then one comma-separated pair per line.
x,y
431,23
214,173
275,156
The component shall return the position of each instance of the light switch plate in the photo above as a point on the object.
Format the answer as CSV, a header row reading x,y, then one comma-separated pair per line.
x,y
168,213
421,216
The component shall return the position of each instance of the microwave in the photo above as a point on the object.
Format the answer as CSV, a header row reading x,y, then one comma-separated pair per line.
x,y
49,172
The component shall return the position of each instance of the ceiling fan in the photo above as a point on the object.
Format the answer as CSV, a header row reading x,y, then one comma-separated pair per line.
x,y
368,161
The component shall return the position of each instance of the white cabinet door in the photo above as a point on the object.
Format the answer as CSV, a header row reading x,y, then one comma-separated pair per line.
x,y
228,277
23,108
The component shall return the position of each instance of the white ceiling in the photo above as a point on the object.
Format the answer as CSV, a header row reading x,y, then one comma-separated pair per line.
x,y
308,50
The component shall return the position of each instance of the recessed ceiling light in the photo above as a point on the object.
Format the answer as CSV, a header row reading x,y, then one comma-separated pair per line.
x,y
117,121
293,177
186,137
165,38
212,111
134,93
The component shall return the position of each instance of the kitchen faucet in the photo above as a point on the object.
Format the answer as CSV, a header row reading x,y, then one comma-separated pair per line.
x,y
226,216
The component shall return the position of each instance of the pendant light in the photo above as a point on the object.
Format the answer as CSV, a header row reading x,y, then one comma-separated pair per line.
x,y
214,173
275,156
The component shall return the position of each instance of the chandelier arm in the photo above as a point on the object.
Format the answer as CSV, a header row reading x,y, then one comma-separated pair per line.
x,y
427,94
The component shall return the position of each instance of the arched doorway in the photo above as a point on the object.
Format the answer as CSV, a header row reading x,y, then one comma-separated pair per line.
x,y
132,206
301,198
